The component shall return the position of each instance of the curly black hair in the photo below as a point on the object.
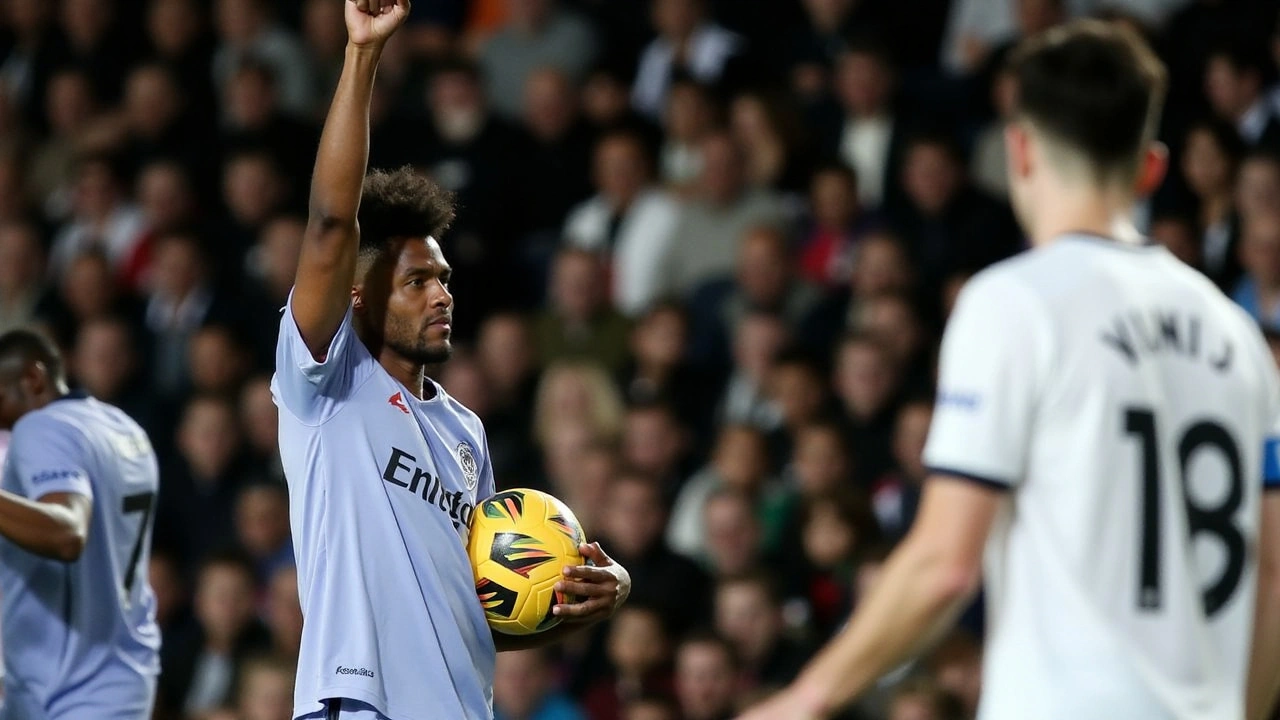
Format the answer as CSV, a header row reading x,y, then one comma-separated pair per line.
x,y
398,204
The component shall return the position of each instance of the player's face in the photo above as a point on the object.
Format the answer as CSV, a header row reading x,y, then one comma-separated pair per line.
x,y
417,317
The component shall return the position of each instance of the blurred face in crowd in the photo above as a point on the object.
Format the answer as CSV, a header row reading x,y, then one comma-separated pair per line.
x,y
909,438
457,104
250,100
323,28
605,98
720,181
88,287
758,339
550,104
634,519
881,267
564,443
1260,249
593,474
165,196
266,693
166,584
732,533
648,710
259,415
658,341
262,519
576,288
1036,16
750,122
529,14
688,115
864,378
86,21
797,391
217,361
284,611
103,359
1205,165
834,198
176,267
957,664
1179,237
764,267
173,25
676,19
1231,92
740,458
208,437
151,101
69,103
464,380
652,441
1258,187
224,603
279,245
930,177
748,618
96,192
829,540
568,394
827,14
27,18
637,642
862,84
705,680
240,21
21,259
520,681
893,322
252,189
820,460
504,351
621,170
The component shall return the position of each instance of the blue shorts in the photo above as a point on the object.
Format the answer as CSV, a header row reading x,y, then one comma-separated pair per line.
x,y
345,709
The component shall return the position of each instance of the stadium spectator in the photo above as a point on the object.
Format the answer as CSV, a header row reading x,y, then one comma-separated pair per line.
x,y
739,462
578,393
268,272
246,29
1235,84
734,533
1258,185
265,689
283,612
262,528
555,152
705,241
183,297
836,225
688,42
758,337
1258,292
260,419
920,699
628,221
866,384
688,117
253,192
70,112
896,496
102,217
639,652
656,442
254,118
835,528
652,707
749,615
870,132
1210,158
105,362
768,131
22,275
322,32
659,371
957,664
537,34
1179,235
706,674
988,162
523,689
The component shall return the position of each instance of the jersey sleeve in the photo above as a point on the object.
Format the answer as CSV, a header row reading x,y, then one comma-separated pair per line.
x,y
314,389
49,456
988,383
486,487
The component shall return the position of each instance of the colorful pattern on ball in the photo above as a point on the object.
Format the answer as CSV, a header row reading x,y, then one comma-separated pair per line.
x,y
520,540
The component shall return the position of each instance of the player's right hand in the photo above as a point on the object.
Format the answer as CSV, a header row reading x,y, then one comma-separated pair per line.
x,y
371,22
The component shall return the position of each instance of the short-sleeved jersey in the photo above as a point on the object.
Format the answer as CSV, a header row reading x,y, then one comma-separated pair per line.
x,y
382,487
1125,404
82,634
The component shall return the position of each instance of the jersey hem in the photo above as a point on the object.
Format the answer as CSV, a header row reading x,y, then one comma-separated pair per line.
x,y
982,480
373,700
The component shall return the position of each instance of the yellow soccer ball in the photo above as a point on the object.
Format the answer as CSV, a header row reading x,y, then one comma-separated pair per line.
x,y
520,542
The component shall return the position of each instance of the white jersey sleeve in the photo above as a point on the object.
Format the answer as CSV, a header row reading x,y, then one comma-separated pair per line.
x,y
49,456
995,355
313,390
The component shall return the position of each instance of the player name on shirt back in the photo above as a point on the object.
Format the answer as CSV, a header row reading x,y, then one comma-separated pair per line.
x,y
1138,333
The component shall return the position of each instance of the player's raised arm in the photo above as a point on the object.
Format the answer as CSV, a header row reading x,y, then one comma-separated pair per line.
x,y
327,263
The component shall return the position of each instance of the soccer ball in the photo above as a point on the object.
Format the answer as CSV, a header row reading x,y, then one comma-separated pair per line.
x,y
520,542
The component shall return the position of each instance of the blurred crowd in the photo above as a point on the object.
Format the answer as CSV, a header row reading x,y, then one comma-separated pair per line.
x,y
703,255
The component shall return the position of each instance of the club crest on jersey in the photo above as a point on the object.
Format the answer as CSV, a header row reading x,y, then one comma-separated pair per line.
x,y
470,470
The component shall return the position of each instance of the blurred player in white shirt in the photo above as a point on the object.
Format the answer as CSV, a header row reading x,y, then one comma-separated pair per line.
x,y
1104,429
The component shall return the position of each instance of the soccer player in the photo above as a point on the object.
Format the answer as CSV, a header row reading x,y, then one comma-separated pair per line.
x,y
1105,428
384,468
79,631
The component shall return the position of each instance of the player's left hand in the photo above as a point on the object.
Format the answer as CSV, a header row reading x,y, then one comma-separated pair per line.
x,y
601,587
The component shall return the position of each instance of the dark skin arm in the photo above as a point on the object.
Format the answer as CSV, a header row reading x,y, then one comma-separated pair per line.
x,y
327,261
55,526
602,588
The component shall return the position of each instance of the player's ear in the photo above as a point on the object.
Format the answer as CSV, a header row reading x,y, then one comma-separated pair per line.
x,y
1151,169
1017,145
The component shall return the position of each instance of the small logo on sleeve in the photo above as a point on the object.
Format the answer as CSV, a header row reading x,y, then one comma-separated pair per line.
x,y
361,672
959,400
470,470
397,401
52,475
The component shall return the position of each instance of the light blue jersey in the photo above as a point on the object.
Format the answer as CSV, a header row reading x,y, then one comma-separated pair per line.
x,y
80,639
381,491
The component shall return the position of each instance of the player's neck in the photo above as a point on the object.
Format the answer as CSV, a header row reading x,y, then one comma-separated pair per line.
x,y
1066,210
410,374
